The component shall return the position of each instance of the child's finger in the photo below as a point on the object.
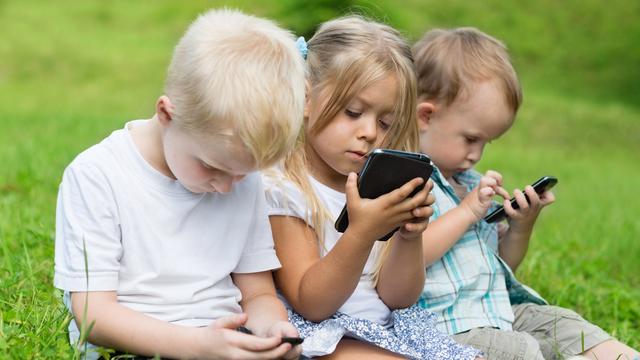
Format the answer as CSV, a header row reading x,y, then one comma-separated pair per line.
x,y
230,322
521,200
254,343
534,198
547,197
398,195
502,192
351,188
495,175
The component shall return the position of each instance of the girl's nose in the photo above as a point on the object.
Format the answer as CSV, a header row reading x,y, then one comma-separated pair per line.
x,y
368,129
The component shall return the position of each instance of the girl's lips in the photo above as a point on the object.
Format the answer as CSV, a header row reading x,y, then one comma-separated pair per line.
x,y
357,155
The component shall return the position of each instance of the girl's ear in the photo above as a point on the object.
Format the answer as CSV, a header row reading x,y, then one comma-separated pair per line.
x,y
425,111
164,110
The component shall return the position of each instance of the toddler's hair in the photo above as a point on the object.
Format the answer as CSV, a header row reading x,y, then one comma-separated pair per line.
x,y
235,74
448,60
345,56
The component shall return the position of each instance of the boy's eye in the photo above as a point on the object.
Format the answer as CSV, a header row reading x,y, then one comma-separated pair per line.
x,y
352,113
206,166
470,139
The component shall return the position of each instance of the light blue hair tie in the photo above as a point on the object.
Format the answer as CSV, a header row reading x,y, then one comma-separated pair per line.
x,y
302,47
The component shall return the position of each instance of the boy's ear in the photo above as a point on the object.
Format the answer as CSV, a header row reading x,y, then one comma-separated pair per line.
x,y
425,111
164,110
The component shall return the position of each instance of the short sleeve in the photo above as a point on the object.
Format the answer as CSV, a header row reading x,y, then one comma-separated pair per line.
x,y
284,197
87,227
259,253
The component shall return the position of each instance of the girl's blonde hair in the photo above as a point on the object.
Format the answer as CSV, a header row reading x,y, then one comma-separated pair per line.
x,y
345,56
448,60
238,75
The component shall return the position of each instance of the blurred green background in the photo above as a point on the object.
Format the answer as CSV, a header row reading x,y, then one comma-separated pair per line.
x,y
73,71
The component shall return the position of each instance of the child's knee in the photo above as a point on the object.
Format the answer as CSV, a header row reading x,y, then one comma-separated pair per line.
x,y
502,345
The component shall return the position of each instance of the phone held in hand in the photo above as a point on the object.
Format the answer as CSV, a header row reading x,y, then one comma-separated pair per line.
x,y
285,339
543,184
384,171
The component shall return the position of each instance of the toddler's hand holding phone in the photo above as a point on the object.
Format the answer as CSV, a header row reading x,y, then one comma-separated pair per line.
x,y
526,212
478,201
288,335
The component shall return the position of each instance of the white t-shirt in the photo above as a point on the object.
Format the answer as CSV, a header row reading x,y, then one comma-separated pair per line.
x,y
167,252
285,198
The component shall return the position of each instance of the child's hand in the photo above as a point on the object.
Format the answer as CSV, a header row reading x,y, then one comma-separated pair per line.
x,y
479,199
282,329
527,212
421,215
220,340
374,218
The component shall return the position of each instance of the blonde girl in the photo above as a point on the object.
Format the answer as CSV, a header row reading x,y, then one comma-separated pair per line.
x,y
348,294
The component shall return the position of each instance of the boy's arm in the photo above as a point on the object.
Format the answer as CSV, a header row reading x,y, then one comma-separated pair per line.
x,y
515,243
446,230
117,326
266,313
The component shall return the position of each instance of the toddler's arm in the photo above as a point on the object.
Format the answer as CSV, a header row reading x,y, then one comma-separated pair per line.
x,y
117,326
443,232
515,243
402,275
317,286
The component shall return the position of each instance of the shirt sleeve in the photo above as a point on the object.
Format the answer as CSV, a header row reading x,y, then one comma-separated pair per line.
x,y
87,244
285,198
259,253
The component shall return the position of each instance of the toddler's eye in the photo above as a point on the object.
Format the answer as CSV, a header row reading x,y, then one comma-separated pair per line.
x,y
205,165
470,139
352,113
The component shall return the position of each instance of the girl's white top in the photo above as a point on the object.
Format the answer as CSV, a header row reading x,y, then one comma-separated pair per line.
x,y
285,198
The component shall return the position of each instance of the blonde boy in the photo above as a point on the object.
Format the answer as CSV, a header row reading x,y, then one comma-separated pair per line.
x,y
468,95
170,212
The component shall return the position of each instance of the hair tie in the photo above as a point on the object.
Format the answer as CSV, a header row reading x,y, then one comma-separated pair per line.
x,y
302,47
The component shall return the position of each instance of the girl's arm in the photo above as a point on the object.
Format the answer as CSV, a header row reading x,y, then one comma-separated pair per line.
x,y
117,326
402,274
317,286
515,243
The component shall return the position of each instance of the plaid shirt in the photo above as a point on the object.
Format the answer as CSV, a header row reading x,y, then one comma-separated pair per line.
x,y
470,286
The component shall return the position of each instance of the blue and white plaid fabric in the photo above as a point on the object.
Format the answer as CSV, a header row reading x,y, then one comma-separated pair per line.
x,y
470,286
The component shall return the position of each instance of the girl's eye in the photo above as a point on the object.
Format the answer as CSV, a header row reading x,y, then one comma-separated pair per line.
x,y
384,124
352,113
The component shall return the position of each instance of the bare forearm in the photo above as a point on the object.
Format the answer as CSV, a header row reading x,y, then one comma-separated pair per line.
x,y
514,245
402,275
444,232
116,326
262,312
328,283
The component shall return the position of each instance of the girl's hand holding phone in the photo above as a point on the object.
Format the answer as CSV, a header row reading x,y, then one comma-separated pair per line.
x,y
421,214
374,218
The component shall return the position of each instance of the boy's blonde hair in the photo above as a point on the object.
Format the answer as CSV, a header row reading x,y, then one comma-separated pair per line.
x,y
345,56
447,62
235,74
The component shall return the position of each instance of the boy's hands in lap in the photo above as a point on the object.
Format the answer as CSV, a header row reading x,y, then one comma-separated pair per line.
x,y
220,340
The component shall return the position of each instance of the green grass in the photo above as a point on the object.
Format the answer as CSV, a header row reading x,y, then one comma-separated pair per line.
x,y
73,71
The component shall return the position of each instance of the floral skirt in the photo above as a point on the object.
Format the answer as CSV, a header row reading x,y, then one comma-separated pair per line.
x,y
413,335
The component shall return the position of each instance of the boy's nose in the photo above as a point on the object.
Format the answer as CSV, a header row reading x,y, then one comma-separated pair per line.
x,y
224,184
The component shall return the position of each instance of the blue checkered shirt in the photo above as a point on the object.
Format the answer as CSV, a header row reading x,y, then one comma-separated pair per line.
x,y
471,286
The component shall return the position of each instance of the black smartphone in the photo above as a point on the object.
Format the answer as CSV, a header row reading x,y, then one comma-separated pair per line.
x,y
384,171
292,340
543,184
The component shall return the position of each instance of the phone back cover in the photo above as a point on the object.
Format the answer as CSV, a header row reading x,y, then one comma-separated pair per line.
x,y
384,173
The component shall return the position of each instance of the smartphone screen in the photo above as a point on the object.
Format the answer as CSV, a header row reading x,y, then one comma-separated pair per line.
x,y
541,185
